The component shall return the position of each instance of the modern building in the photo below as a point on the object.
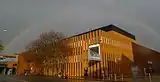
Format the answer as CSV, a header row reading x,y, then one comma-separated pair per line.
x,y
145,58
108,49
8,61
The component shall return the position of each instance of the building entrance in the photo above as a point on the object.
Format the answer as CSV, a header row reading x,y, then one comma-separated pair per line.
x,y
94,69
85,71
2,69
3,66
5,70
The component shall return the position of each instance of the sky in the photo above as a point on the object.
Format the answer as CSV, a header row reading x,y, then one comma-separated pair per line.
x,y
26,19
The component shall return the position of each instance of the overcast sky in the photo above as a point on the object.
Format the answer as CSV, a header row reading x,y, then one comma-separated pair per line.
x,y
26,19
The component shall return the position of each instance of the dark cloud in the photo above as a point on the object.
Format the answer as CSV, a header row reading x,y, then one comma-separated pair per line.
x,y
26,19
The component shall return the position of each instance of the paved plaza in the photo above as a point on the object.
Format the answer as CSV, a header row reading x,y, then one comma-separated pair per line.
x,y
5,78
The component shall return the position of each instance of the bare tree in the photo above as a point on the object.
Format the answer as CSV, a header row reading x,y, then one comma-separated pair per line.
x,y
50,50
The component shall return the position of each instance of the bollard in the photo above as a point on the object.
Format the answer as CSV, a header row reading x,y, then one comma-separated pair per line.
x,y
4,72
111,76
115,77
103,76
150,79
108,77
122,77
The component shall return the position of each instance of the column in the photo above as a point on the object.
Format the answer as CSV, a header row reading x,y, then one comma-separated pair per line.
x,y
69,69
95,69
107,65
82,65
102,63
4,71
98,69
80,69
89,68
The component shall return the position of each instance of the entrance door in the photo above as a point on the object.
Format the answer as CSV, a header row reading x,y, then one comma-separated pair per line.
x,y
2,70
85,71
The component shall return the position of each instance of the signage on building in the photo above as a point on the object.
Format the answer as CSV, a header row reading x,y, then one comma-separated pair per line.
x,y
8,59
94,52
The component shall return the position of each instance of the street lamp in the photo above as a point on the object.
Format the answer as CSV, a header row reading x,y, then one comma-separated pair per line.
x,y
5,30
